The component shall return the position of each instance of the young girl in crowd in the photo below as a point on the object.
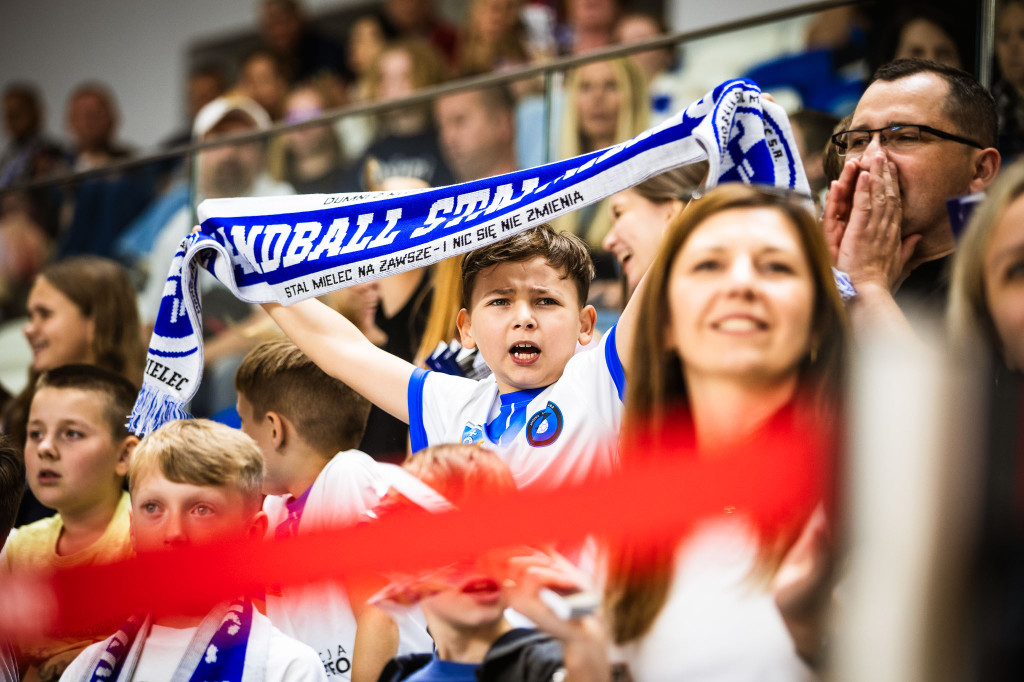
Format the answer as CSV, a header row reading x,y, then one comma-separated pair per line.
x,y
742,330
986,298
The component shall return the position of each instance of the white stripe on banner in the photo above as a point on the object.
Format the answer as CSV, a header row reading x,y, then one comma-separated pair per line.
x,y
287,249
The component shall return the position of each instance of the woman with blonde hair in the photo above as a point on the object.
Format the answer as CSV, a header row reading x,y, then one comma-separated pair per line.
x,y
742,336
986,297
607,104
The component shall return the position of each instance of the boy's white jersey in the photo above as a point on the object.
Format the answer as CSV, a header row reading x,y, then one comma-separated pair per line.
x,y
551,436
321,616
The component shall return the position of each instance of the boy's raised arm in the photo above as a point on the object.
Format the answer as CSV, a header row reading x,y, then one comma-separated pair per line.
x,y
625,328
341,350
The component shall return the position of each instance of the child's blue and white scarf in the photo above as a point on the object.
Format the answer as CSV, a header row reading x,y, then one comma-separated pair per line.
x,y
229,646
288,249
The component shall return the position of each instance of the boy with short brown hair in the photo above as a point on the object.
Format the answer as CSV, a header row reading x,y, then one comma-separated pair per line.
x,y
465,603
551,414
195,482
76,456
308,424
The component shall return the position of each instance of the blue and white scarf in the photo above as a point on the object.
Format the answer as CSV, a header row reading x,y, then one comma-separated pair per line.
x,y
288,249
229,646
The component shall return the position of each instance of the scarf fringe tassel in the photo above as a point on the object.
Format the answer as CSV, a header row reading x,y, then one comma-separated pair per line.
x,y
153,409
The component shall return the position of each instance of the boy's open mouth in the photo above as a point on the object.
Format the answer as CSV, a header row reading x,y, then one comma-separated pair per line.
x,y
48,477
483,589
524,353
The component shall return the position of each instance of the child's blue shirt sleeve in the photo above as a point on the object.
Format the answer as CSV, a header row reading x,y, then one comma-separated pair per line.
x,y
614,362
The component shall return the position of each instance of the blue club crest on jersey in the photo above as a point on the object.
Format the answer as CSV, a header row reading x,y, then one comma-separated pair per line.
x,y
545,426
472,434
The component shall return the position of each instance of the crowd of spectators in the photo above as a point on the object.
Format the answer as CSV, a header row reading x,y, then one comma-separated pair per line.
x,y
718,330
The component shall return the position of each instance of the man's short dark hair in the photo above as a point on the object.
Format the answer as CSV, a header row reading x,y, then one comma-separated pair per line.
x,y
120,393
12,485
563,251
969,106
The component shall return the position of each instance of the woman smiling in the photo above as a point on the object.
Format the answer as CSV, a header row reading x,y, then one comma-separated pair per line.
x,y
742,331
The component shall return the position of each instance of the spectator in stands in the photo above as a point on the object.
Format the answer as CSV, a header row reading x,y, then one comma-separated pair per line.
x,y
607,104
741,345
80,310
1009,90
640,216
304,51
264,79
92,119
665,88
366,41
922,31
194,483
465,603
206,82
493,37
417,19
986,300
477,131
922,133
589,25
24,249
97,209
76,455
407,144
313,160
230,170
29,153
28,220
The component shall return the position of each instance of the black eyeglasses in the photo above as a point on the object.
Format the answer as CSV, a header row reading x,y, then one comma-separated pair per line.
x,y
899,138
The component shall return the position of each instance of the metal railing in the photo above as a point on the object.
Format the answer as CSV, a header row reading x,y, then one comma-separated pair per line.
x,y
425,95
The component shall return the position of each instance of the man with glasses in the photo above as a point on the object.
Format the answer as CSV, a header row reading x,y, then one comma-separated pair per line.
x,y
922,133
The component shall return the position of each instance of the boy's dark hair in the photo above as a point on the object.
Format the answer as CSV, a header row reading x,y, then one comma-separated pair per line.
x,y
119,392
969,106
12,485
562,250
277,376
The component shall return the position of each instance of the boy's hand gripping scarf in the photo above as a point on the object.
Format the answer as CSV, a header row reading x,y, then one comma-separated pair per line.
x,y
288,249
229,645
